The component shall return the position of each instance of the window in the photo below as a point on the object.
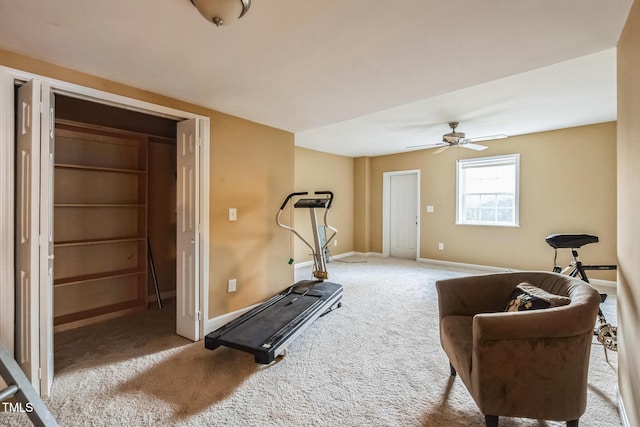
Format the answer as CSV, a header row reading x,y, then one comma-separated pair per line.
x,y
488,191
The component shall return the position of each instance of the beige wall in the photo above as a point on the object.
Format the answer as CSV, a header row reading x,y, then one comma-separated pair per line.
x,y
317,171
628,222
362,204
252,171
567,185
252,168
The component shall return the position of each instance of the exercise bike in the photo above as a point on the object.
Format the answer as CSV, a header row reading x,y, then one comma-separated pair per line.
x,y
606,333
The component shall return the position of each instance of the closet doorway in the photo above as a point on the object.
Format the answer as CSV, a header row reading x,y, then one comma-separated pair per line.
x,y
29,102
114,212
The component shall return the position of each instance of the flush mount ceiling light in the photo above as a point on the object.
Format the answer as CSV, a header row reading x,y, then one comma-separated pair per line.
x,y
222,12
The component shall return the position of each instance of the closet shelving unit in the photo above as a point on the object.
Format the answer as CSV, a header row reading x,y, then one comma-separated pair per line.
x,y
100,224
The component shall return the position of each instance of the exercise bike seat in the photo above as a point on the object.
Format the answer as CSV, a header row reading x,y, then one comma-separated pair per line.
x,y
570,241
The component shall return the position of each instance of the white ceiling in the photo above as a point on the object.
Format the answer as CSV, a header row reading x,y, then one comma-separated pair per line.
x,y
351,77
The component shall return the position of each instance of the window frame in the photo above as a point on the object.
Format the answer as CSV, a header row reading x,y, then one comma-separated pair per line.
x,y
486,162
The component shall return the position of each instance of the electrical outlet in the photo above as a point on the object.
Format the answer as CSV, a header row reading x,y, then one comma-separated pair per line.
x,y
441,246
335,243
231,285
233,214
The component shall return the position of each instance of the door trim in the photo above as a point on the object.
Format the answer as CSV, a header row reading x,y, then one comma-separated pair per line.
x,y
8,77
386,209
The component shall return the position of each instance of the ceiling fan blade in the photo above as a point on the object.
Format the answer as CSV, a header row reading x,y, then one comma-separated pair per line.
x,y
486,138
437,144
473,146
441,149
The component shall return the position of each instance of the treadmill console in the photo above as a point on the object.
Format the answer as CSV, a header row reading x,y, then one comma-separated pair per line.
x,y
312,203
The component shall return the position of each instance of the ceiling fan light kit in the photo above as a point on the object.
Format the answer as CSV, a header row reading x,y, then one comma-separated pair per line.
x,y
222,12
459,139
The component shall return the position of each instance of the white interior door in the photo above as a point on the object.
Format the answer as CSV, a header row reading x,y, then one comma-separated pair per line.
x,y
403,216
34,234
187,241
46,238
27,231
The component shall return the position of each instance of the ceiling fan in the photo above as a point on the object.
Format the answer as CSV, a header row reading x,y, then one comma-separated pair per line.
x,y
458,139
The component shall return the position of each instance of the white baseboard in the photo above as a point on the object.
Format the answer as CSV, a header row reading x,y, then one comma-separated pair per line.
x,y
624,419
488,268
604,283
302,264
372,254
453,264
310,263
216,322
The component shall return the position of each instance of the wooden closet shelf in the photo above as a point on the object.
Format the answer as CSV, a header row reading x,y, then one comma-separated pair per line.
x,y
99,168
66,281
82,318
101,202
98,241
99,205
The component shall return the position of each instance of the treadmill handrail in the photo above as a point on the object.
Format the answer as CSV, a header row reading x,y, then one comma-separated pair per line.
x,y
326,213
299,193
287,227
335,231
330,193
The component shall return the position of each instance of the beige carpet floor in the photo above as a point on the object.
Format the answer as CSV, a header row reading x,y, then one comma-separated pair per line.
x,y
374,362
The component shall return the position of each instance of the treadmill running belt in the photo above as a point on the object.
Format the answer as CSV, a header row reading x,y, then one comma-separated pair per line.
x,y
264,324
264,330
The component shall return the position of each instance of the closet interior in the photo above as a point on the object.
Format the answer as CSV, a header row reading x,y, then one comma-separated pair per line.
x,y
114,211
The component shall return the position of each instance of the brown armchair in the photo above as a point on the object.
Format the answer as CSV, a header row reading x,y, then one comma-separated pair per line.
x,y
529,364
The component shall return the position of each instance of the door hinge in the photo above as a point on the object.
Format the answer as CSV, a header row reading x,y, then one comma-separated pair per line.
x,y
39,373
198,315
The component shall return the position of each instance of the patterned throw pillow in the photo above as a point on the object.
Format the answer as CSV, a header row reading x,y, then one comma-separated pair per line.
x,y
528,297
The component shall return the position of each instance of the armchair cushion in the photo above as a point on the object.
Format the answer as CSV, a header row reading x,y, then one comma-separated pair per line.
x,y
529,297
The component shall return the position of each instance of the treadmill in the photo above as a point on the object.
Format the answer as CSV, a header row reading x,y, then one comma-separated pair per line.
x,y
267,329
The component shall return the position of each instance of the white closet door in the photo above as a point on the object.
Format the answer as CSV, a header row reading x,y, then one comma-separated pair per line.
x,y
187,242
27,231
46,239
34,234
